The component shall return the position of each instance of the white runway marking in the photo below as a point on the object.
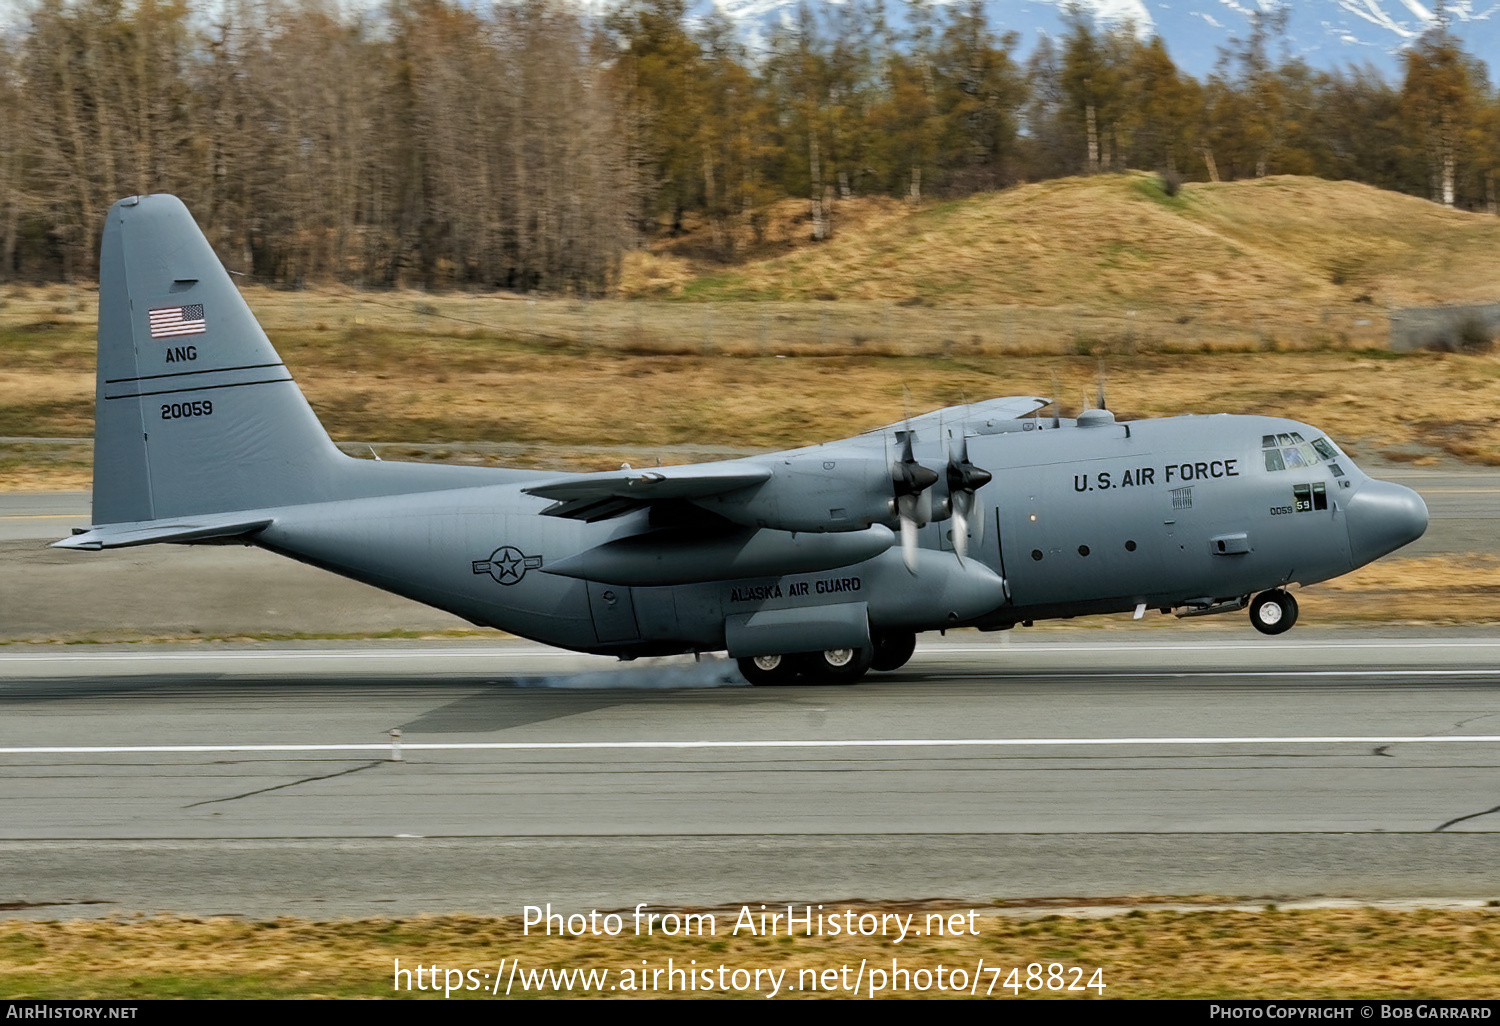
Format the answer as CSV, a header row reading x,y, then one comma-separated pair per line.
x,y
999,648
421,654
1200,646
542,746
1473,671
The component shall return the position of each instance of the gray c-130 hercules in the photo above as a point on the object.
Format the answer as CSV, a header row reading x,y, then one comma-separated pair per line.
x,y
818,563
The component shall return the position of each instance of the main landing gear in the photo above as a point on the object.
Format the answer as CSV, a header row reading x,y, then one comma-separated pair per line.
x,y
833,666
893,649
1273,612
770,669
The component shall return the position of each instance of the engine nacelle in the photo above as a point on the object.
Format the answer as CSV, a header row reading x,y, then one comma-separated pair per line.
x,y
816,491
669,557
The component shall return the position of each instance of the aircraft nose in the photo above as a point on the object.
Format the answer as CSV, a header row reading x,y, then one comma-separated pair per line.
x,y
1382,518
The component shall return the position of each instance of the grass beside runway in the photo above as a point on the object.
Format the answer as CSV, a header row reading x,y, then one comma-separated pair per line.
x,y
550,375
1143,952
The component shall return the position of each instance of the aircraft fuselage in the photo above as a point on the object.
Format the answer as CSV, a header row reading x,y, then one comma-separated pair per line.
x,y
1175,513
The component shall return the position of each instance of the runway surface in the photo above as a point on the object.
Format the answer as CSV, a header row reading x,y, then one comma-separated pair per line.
x,y
1342,763
1333,806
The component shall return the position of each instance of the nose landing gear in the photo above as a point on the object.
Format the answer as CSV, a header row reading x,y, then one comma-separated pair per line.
x,y
893,649
1273,612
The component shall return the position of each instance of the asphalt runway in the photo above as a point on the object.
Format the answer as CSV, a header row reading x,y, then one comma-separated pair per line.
x,y
1291,786
1341,764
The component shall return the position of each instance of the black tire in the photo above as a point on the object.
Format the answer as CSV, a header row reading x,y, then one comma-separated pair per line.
x,y
893,649
1273,612
836,665
769,670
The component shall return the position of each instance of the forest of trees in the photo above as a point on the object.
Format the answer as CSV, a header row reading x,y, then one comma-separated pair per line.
x,y
526,146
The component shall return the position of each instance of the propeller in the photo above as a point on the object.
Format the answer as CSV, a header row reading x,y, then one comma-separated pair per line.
x,y
964,479
910,481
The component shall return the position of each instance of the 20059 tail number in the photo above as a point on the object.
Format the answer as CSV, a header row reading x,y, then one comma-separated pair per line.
x,y
196,408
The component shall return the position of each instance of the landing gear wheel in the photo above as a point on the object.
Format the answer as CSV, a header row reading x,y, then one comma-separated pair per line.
x,y
836,665
893,649
768,670
1273,612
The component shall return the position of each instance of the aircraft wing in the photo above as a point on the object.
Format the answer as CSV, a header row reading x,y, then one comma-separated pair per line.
x,y
981,418
187,529
591,497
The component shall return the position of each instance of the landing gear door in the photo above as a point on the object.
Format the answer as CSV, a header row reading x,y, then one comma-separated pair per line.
x,y
613,610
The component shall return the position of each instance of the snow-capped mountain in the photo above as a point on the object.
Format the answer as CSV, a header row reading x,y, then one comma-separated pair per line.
x,y
1327,34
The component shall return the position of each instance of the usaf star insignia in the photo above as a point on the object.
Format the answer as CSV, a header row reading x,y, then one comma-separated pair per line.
x,y
507,564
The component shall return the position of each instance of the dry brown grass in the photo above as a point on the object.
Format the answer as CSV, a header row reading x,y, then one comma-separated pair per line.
x,y
1459,589
1110,240
376,386
1145,953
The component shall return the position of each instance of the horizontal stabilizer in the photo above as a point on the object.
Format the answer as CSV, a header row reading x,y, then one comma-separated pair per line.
x,y
591,497
196,529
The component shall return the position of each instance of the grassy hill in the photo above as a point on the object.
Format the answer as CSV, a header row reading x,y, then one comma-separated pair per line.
x,y
1109,241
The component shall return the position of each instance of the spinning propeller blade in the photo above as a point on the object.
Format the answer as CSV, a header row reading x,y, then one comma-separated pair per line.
x,y
964,479
909,479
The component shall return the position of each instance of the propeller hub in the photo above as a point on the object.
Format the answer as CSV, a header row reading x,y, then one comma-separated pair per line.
x,y
911,478
965,477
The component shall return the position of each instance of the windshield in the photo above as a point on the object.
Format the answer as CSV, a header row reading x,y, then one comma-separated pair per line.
x,y
1288,450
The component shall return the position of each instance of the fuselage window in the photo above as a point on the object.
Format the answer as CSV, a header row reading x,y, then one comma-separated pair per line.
x,y
1313,496
1273,460
1325,450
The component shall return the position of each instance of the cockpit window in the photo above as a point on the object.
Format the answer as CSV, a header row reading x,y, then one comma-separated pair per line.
x,y
1287,450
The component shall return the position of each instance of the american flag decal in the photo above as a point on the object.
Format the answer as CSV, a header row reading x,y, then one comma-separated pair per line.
x,y
169,321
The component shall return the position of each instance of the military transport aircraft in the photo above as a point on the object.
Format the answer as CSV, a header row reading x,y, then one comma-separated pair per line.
x,y
818,563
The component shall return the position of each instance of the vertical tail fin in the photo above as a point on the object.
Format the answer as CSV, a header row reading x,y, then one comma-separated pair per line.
x,y
194,411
